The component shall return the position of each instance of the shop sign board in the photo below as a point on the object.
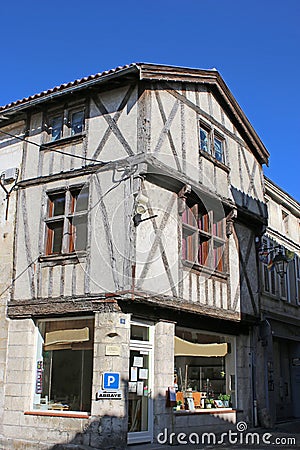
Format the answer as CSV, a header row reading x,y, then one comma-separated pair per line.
x,y
110,395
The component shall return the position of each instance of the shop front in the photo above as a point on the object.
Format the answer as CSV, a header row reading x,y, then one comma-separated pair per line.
x,y
204,370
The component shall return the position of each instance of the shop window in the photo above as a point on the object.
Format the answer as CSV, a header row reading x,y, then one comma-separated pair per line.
x,y
66,222
64,365
205,368
65,123
211,142
139,333
203,237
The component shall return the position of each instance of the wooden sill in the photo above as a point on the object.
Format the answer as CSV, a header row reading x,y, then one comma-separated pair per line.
x,y
205,411
68,414
214,161
63,141
197,268
63,258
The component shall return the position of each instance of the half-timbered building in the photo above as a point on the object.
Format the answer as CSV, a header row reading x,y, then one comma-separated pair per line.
x,y
139,203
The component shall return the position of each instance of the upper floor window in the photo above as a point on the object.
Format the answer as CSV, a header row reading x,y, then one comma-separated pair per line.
x,y
211,143
285,221
66,220
66,123
203,237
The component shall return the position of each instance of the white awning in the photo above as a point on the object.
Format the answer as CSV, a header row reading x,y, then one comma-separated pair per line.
x,y
186,348
65,338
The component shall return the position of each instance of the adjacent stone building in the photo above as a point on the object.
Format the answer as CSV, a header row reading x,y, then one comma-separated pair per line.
x,y
10,161
140,203
279,334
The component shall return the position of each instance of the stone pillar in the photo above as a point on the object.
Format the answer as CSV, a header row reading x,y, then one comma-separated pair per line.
x,y
163,374
108,427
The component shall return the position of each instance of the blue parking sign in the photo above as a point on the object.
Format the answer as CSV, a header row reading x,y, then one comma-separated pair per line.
x,y
111,380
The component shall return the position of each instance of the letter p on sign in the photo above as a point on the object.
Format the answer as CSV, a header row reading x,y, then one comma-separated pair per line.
x,y
111,381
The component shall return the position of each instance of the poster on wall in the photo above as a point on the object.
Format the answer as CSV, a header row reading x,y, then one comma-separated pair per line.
x,y
140,388
133,374
138,361
132,386
143,374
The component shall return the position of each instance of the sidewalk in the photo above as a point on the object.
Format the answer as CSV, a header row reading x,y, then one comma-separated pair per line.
x,y
285,435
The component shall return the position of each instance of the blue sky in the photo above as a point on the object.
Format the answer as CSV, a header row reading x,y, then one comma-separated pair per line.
x,y
255,45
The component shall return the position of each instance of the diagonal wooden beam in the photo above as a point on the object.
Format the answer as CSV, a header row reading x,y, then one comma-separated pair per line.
x,y
107,231
164,119
112,124
251,181
27,244
244,274
166,127
158,243
116,117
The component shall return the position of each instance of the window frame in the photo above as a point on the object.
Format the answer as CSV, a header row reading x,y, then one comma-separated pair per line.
x,y
65,114
41,375
203,245
229,360
67,219
212,136
281,286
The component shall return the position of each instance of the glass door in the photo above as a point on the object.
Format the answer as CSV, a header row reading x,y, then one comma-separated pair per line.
x,y
140,416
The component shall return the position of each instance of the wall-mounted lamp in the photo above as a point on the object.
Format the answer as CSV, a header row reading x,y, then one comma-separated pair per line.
x,y
274,257
141,208
280,262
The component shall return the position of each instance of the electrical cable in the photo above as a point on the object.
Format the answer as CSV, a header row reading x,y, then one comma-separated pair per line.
x,y
53,149
103,195
19,275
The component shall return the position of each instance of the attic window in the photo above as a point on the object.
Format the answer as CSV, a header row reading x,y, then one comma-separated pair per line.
x,y
211,142
65,123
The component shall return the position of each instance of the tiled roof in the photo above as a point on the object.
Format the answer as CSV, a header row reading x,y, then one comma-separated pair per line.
x,y
65,86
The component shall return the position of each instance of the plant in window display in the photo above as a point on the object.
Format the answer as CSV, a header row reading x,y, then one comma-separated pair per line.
x,y
225,399
209,403
179,405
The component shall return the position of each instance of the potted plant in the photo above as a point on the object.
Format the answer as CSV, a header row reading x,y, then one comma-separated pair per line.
x,y
178,406
225,399
209,403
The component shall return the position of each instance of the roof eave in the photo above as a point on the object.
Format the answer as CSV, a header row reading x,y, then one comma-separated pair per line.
x,y
61,91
